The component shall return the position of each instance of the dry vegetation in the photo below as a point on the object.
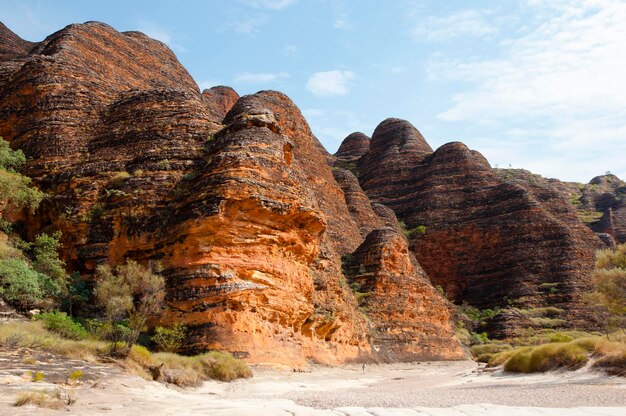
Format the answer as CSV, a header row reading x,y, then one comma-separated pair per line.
x,y
167,367
49,399
608,355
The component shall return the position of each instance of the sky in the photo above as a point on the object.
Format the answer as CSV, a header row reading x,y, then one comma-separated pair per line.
x,y
533,84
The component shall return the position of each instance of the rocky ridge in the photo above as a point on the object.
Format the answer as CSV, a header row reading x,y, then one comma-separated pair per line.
x,y
235,196
486,240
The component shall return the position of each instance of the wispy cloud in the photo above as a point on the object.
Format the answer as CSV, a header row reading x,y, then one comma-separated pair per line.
x,y
157,32
330,83
464,23
259,78
565,74
248,25
341,17
269,4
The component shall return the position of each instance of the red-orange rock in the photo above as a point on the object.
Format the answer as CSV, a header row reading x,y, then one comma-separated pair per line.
x,y
220,98
408,318
487,241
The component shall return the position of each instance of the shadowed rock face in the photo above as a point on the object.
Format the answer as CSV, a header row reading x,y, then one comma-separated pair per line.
x,y
409,327
606,197
353,147
12,46
488,241
235,196
600,204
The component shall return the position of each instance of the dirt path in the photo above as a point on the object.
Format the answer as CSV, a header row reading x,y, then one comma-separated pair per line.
x,y
450,388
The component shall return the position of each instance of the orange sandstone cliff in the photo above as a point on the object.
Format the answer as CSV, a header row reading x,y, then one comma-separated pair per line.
x,y
235,196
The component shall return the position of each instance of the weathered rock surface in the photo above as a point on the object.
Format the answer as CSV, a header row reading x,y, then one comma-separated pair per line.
x,y
235,196
488,241
600,204
407,316
353,147
220,98
12,46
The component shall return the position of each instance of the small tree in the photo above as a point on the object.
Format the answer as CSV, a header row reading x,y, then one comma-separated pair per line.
x,y
609,280
129,292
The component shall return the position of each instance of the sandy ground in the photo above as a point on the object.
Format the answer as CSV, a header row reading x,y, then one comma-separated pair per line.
x,y
443,388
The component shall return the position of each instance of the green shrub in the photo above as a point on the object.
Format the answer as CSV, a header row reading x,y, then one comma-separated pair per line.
x,y
60,323
169,339
20,284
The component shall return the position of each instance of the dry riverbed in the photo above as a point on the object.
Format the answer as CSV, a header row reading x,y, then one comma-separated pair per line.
x,y
437,388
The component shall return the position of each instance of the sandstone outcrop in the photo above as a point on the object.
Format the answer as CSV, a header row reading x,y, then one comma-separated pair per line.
x,y
486,240
12,46
220,98
353,147
234,196
410,327
600,204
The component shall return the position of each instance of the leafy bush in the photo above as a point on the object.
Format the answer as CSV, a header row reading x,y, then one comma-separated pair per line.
x,y
169,339
22,285
60,323
15,189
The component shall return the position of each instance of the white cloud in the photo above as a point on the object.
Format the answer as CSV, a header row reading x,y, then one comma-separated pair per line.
x,y
564,74
464,23
269,4
330,83
259,78
159,33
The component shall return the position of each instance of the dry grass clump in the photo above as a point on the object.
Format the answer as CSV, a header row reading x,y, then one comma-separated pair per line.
x,y
492,348
182,370
547,357
613,363
501,358
549,312
169,367
49,399
485,352
32,334
609,355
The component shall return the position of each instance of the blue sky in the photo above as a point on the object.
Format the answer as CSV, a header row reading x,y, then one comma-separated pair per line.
x,y
535,84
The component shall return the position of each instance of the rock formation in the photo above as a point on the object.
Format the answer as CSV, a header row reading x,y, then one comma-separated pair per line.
x,y
486,240
600,204
409,327
235,196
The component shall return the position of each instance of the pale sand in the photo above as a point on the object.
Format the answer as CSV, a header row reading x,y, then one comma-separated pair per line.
x,y
444,388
